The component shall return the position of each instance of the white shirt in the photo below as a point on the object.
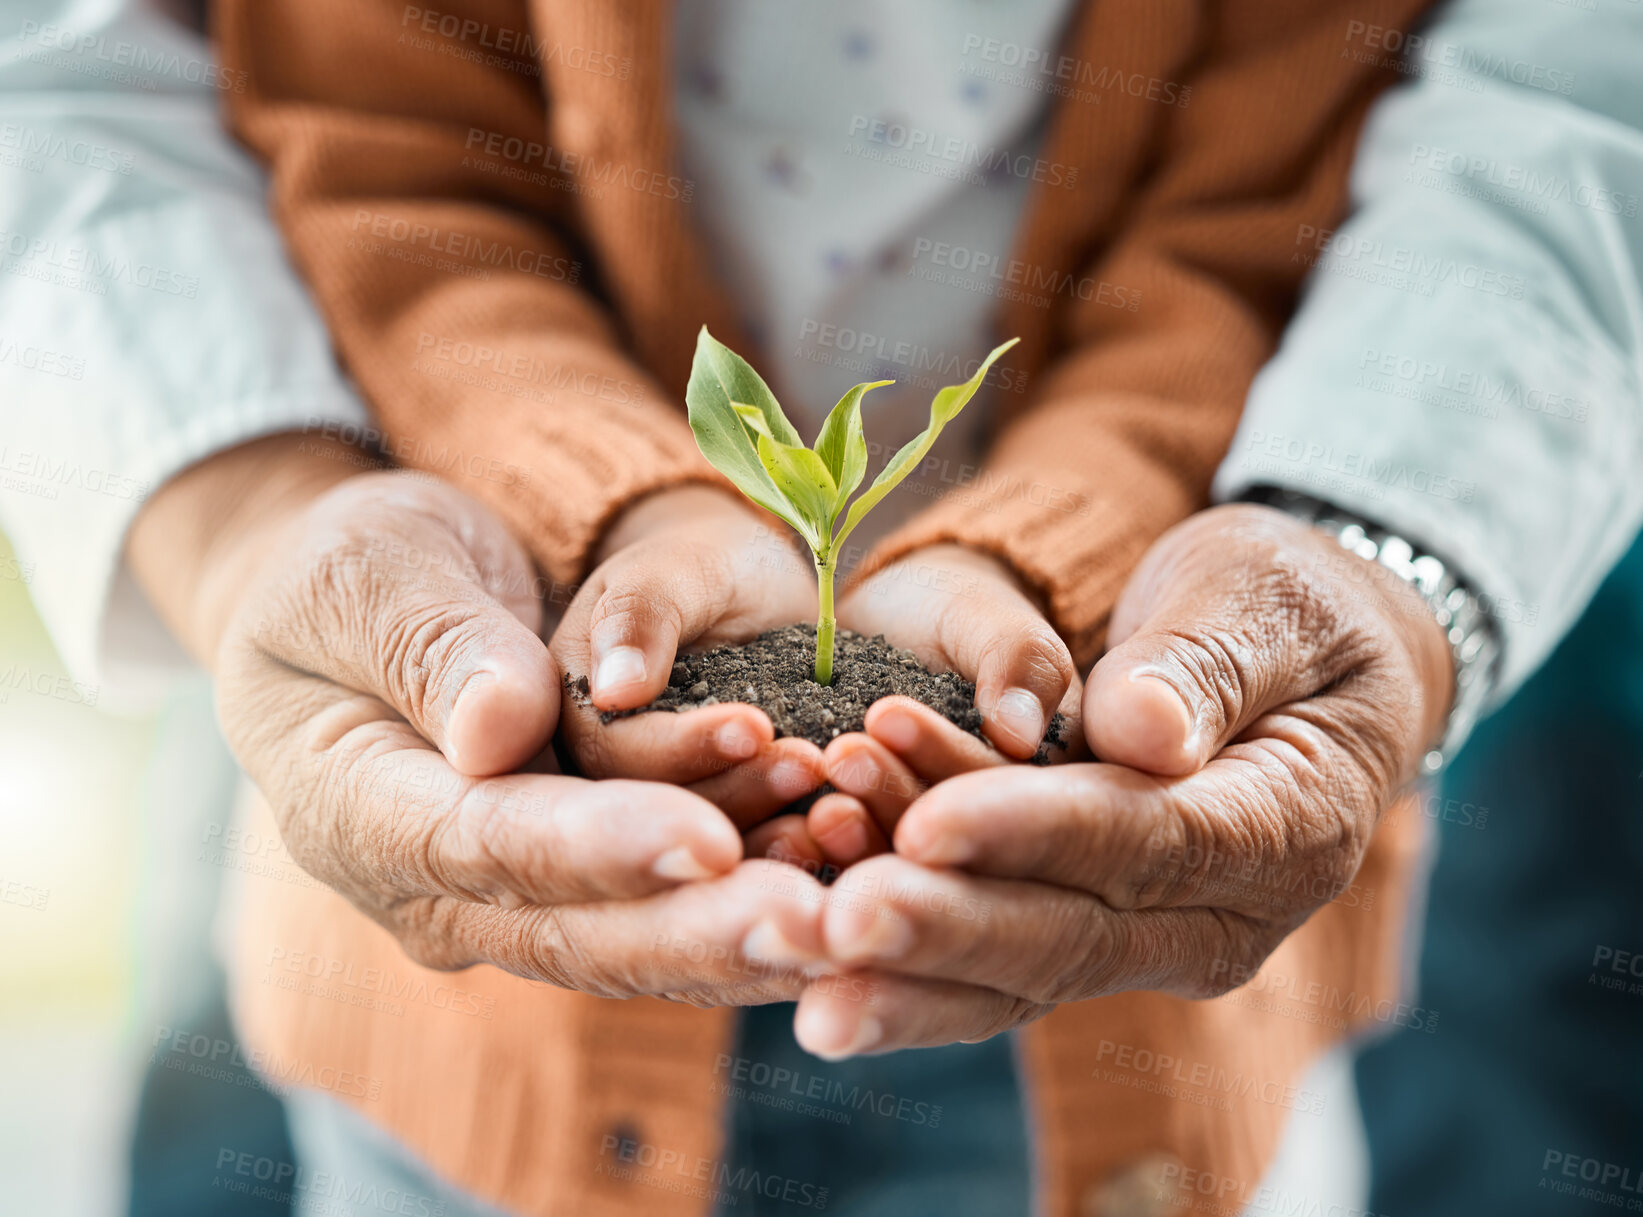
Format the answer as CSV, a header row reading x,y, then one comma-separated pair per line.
x,y
148,315
839,150
1466,368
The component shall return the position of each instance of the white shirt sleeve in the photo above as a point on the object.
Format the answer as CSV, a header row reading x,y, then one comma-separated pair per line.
x,y
1466,366
148,314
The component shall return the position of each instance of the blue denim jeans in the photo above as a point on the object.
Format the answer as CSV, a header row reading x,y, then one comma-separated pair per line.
x,y
940,1131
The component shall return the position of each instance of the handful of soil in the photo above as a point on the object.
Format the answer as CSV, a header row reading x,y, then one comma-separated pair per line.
x,y
774,673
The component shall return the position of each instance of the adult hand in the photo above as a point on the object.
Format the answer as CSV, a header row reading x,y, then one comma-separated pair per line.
x,y
1279,689
685,567
380,677
958,610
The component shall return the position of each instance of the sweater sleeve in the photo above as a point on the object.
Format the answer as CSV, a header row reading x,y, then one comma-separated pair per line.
x,y
1466,367
148,317
438,246
1134,408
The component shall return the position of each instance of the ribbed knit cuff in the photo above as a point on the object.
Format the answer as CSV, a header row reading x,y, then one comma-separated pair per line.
x,y
1070,508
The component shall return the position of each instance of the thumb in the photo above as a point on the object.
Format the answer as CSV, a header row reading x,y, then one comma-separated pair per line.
x,y
967,610
1218,625
1022,669
626,625
1021,681
393,598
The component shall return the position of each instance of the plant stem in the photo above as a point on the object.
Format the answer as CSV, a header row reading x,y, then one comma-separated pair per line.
x,y
824,620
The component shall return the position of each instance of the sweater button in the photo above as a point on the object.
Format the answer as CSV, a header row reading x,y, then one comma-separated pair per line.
x,y
1147,1187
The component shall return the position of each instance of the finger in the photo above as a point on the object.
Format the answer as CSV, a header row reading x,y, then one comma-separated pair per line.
x,y
663,746
844,830
968,613
624,630
701,942
1022,669
905,1012
366,805
860,766
392,603
1204,645
1261,831
529,839
1045,943
781,772
1076,825
926,742
785,839
1129,838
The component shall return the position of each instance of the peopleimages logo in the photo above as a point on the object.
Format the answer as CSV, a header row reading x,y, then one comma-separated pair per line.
x,y
777,1086
1199,1082
510,43
1449,62
1034,68
1270,453
576,167
1613,1184
1398,265
867,351
30,141
979,270
638,1161
896,143
116,53
1487,391
1531,181
1329,999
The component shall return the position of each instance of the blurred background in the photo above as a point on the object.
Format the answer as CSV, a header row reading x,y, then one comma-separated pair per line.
x,y
115,1049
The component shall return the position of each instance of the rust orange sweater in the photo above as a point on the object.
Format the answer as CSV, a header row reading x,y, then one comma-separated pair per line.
x,y
551,387
550,383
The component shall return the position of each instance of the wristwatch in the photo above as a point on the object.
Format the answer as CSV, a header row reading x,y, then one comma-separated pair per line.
x,y
1474,642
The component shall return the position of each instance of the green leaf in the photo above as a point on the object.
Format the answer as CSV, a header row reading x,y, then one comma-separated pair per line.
x,y
743,386
753,417
843,448
800,475
725,440
943,409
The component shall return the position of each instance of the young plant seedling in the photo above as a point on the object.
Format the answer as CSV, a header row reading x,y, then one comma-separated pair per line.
x,y
742,431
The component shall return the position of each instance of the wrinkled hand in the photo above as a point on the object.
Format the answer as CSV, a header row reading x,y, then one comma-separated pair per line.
x,y
1265,697
957,610
689,567
381,679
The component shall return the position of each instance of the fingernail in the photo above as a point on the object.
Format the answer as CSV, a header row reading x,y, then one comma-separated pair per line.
x,y
736,740
869,1031
679,863
1019,712
469,692
897,730
789,781
621,666
1170,702
944,850
860,773
766,942
888,936
847,842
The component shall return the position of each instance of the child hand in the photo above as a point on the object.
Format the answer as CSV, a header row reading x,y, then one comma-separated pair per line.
x,y
958,610
686,567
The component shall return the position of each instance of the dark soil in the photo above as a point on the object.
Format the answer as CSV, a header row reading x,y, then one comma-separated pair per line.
x,y
774,671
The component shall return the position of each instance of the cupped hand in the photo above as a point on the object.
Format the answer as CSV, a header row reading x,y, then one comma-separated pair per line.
x,y
1266,696
958,610
381,679
691,567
